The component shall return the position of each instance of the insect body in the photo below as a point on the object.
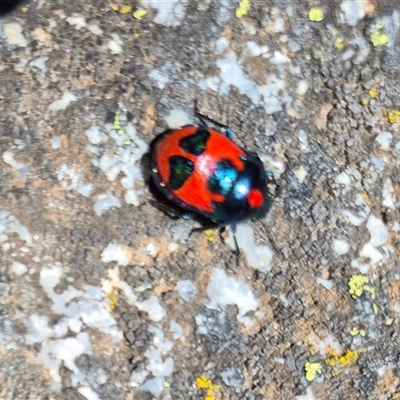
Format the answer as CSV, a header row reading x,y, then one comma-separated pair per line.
x,y
202,170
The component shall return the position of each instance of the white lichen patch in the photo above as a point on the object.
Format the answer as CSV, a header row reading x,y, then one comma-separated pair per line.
x,y
343,179
9,224
232,74
388,195
377,230
128,150
160,77
95,29
55,143
77,21
224,290
14,35
356,220
272,95
326,283
158,363
372,253
369,253
379,235
154,354
308,396
354,10
362,214
169,13
105,202
177,118
258,256
384,139
18,268
117,252
68,176
151,306
40,64
114,46
85,190
303,140
144,252
186,288
279,58
341,246
88,393
302,87
95,134
8,158
176,330
300,173
64,102
257,50
61,343
276,166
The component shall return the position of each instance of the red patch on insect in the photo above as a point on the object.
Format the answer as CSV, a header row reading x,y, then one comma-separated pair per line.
x,y
255,198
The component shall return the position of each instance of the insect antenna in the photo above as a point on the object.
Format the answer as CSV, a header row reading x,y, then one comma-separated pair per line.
x,y
203,118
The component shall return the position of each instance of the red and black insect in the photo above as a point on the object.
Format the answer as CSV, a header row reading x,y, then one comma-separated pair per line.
x,y
202,170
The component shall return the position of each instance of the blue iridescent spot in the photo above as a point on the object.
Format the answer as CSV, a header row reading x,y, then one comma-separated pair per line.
x,y
223,177
242,188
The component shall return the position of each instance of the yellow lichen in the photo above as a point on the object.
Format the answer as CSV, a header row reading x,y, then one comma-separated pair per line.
x,y
339,43
204,383
331,361
373,93
354,331
139,13
312,369
377,37
243,9
363,332
339,362
366,198
316,14
113,298
349,357
370,290
389,321
210,234
357,284
167,385
117,123
122,8
393,116
125,9
336,372
24,9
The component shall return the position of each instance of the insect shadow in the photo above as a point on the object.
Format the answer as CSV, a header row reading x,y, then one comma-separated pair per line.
x,y
7,6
